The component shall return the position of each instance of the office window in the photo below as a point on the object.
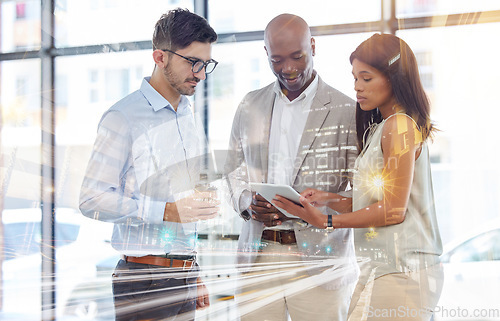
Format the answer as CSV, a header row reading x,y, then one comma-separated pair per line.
x,y
243,67
463,106
424,60
108,79
82,23
20,94
418,8
225,17
62,92
20,185
117,83
19,25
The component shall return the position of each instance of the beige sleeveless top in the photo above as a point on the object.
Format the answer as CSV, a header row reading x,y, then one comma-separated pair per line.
x,y
411,245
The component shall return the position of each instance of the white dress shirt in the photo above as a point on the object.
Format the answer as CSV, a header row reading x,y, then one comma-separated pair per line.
x,y
287,125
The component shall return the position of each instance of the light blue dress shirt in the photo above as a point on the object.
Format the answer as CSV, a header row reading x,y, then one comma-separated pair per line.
x,y
145,154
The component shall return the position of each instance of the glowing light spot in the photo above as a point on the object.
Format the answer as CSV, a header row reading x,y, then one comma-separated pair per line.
x,y
304,244
192,240
375,182
328,249
167,235
378,181
371,234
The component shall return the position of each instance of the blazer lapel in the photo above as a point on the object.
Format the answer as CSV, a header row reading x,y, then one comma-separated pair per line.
x,y
267,106
317,116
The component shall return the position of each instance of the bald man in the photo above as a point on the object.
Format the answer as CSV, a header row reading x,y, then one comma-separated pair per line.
x,y
297,131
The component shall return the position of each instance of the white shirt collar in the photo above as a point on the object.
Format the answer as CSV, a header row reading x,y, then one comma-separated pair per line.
x,y
158,102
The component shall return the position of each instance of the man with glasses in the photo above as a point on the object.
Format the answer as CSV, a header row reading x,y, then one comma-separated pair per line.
x,y
300,132
143,172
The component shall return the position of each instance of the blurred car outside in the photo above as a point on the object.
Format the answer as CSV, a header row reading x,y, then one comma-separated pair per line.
x,y
471,264
80,244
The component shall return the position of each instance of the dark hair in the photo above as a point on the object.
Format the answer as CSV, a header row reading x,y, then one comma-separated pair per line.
x,y
178,28
394,58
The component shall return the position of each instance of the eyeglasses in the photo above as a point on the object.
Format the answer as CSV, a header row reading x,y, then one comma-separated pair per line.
x,y
198,64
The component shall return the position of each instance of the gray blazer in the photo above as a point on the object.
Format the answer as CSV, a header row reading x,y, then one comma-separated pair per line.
x,y
325,159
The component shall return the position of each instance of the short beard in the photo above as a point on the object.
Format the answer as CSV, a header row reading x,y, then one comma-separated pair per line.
x,y
177,84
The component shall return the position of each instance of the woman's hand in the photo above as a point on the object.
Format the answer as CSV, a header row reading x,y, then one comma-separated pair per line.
x,y
334,201
307,212
317,197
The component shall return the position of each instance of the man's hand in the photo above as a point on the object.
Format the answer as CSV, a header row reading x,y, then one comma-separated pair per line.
x,y
195,207
202,298
265,212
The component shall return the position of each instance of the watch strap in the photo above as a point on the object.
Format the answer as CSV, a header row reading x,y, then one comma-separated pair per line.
x,y
329,224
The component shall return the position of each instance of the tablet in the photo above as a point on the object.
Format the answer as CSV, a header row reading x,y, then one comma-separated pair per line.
x,y
268,191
